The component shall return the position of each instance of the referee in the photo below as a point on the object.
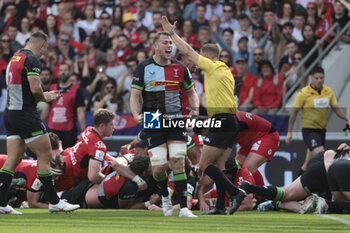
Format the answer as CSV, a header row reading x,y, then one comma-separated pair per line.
x,y
314,100
221,105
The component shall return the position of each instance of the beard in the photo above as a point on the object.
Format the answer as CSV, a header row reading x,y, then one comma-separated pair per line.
x,y
63,78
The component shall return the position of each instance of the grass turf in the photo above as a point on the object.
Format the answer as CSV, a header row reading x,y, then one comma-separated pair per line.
x,y
40,220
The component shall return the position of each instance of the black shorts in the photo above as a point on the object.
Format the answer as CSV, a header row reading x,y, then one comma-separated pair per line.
x,y
68,138
314,137
338,176
314,179
156,137
224,136
25,124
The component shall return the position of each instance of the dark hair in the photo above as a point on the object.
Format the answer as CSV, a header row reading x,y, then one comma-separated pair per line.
x,y
200,5
120,19
288,24
243,16
292,41
47,69
142,144
143,29
129,59
58,165
227,30
253,5
269,10
300,13
281,6
317,69
54,140
266,62
230,60
139,164
103,116
69,66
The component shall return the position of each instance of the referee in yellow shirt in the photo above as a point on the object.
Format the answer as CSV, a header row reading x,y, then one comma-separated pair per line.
x,y
219,87
314,100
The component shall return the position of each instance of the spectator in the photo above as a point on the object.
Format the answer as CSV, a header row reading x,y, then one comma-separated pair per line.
x,y
127,7
117,17
45,79
157,5
10,17
226,57
52,63
214,24
182,4
214,8
200,18
44,10
255,13
51,30
100,7
81,67
229,21
143,17
188,35
346,37
308,43
130,30
141,55
115,69
244,29
312,17
285,12
93,55
62,114
123,48
204,35
156,19
12,32
267,97
124,84
257,39
322,7
269,5
63,49
96,81
299,21
291,48
102,35
74,13
340,14
239,8
6,47
144,38
248,82
23,33
173,12
258,54
243,51
107,97
76,79
287,70
227,37
87,26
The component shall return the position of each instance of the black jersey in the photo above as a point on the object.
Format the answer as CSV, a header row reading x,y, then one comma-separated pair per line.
x,y
21,66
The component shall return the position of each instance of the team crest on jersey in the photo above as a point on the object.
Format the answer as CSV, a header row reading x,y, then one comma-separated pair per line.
x,y
16,58
175,73
164,83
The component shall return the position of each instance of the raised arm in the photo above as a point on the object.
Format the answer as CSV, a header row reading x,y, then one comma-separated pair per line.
x,y
182,45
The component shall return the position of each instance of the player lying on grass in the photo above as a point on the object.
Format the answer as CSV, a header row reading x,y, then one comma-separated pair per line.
x,y
337,175
314,180
236,172
114,192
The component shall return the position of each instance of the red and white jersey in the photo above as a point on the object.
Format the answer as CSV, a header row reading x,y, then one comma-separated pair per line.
x,y
89,146
252,128
30,170
2,160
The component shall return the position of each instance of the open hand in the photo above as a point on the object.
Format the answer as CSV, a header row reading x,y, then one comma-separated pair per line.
x,y
167,26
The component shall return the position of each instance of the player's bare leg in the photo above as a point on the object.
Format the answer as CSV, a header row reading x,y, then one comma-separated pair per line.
x,y
253,161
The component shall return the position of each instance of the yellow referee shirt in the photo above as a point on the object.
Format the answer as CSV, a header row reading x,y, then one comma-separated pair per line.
x,y
219,86
314,106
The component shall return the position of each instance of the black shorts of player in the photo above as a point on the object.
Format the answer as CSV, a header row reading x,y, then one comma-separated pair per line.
x,y
224,136
314,137
77,194
338,176
314,179
156,137
26,124
109,203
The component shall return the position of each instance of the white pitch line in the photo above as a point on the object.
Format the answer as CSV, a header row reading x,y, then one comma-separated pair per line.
x,y
344,221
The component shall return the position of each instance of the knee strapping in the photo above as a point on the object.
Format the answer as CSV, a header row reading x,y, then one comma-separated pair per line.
x,y
158,156
177,150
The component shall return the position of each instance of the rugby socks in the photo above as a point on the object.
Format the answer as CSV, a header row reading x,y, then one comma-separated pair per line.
x,y
337,207
180,181
6,176
220,179
221,194
268,192
46,179
162,184
259,180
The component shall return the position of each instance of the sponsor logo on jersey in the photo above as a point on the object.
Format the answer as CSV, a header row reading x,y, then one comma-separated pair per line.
x,y
100,144
164,83
16,58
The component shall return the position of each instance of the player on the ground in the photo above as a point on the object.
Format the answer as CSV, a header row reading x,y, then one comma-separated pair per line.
x,y
23,125
159,80
221,104
314,101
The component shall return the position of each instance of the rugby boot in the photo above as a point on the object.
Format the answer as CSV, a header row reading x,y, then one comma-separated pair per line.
x,y
62,206
237,200
215,211
309,205
167,206
8,210
266,206
185,212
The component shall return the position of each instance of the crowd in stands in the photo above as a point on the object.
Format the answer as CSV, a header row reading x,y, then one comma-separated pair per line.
x,y
103,41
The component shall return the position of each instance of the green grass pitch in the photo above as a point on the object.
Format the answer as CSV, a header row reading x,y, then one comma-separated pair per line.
x,y
130,221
